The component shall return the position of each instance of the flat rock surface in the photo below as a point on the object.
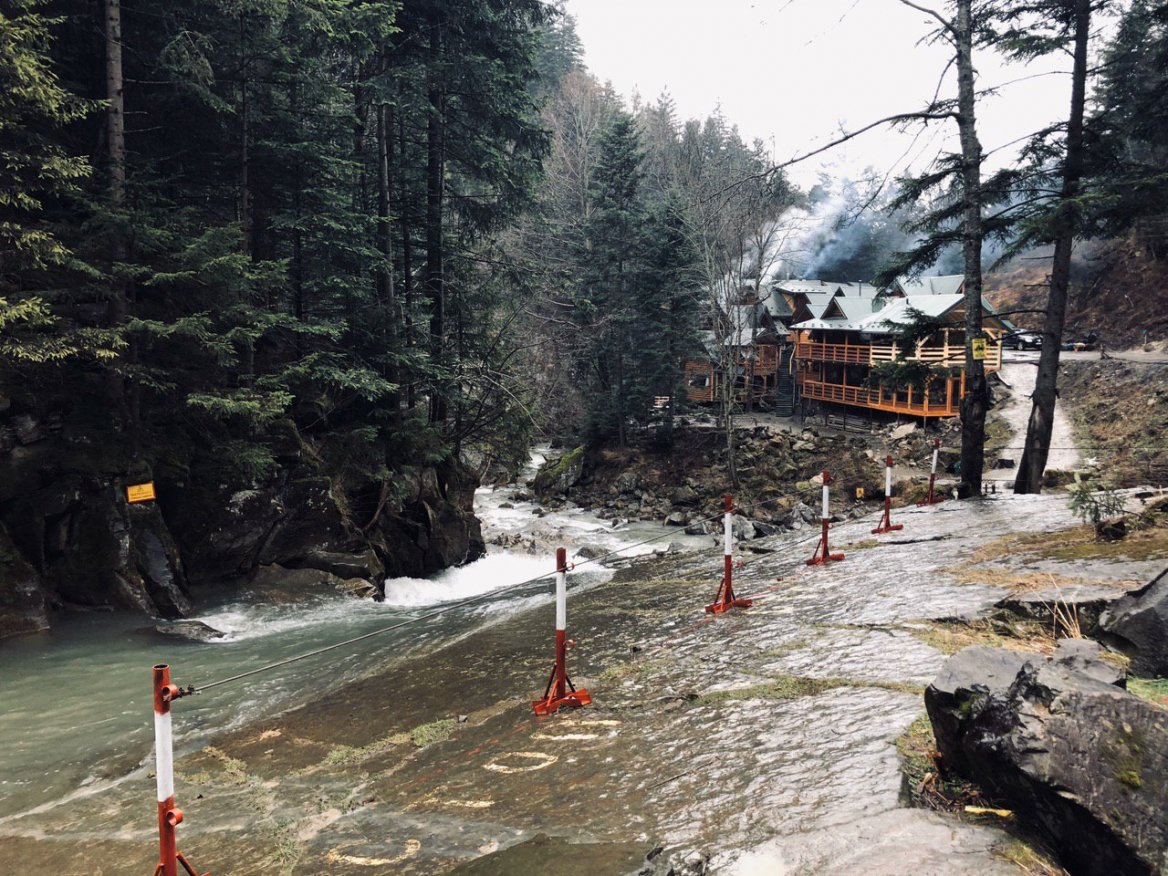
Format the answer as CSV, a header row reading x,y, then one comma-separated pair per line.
x,y
713,737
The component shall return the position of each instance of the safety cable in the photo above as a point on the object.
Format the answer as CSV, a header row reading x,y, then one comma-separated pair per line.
x,y
468,601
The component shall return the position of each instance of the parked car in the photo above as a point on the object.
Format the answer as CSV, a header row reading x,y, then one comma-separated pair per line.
x,y
1022,339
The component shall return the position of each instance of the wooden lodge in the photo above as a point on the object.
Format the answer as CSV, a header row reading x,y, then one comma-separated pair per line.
x,y
837,349
749,339
819,341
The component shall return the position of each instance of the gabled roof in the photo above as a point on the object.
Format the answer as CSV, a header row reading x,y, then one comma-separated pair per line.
x,y
777,304
869,316
951,284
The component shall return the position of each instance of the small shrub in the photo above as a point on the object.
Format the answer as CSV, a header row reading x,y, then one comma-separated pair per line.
x,y
1093,505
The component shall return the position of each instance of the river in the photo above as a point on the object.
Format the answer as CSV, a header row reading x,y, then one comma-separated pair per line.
x,y
76,703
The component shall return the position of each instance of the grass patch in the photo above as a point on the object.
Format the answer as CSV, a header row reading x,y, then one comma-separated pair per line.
x,y
1030,860
784,650
924,784
426,734
1147,542
950,636
792,687
865,544
1154,690
434,732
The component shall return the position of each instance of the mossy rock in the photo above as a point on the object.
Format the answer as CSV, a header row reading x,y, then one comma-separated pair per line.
x,y
556,477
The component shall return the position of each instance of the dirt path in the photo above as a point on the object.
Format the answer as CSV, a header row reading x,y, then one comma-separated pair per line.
x,y
1020,376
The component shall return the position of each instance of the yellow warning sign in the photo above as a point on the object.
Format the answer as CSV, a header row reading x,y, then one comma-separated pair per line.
x,y
140,492
979,348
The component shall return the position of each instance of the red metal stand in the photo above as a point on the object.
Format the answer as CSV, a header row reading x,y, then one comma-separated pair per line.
x,y
169,815
886,524
560,691
932,500
823,554
725,599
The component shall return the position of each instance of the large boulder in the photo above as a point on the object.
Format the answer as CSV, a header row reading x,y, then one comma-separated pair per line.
x,y
22,599
1137,624
556,477
1059,741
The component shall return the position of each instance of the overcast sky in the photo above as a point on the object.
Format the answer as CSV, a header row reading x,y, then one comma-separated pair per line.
x,y
793,73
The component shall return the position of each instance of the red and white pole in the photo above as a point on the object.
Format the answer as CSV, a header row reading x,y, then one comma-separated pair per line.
x,y
823,552
931,500
724,600
560,691
169,815
886,524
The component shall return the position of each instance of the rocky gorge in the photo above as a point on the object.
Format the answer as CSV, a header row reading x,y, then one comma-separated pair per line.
x,y
69,540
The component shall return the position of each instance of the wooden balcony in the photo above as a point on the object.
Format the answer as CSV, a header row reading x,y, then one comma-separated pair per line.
x,y
910,401
876,354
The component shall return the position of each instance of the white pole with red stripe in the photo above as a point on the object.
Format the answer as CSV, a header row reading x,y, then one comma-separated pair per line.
x,y
886,524
560,691
725,599
931,499
169,815
823,552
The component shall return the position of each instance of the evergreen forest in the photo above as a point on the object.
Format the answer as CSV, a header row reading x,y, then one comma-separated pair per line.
x,y
380,247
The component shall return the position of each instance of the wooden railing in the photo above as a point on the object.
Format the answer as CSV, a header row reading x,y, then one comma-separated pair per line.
x,y
875,354
912,401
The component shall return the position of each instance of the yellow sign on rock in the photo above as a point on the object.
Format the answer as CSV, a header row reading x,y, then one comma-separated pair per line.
x,y
140,492
979,348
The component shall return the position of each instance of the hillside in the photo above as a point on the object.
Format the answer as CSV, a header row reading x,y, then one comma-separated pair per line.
x,y
1117,291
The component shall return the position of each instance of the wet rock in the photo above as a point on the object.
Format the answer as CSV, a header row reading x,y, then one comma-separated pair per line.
x,y
1076,757
362,564
903,431
685,495
1083,602
677,518
700,527
763,529
560,475
1112,529
196,631
506,506
360,588
742,527
22,598
1137,624
278,584
28,429
591,551
882,845
804,513
156,559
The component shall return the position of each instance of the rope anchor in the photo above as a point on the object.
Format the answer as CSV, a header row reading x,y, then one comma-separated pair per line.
x,y
725,599
886,524
823,554
169,815
559,690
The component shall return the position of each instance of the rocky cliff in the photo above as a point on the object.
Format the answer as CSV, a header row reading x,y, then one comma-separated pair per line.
x,y
70,540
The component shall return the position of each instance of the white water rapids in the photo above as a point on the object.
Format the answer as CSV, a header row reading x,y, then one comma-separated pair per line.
x,y
76,703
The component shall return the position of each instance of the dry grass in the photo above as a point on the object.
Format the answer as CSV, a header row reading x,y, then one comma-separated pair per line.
x,y
949,637
1154,690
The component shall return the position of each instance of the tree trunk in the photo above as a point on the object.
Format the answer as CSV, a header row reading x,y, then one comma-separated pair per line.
x,y
1041,425
245,205
115,113
407,268
435,190
118,308
385,287
976,401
